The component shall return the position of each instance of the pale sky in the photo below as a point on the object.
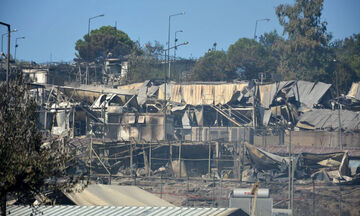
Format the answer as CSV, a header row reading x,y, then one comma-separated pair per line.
x,y
52,27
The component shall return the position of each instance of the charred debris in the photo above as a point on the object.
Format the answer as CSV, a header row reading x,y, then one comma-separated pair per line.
x,y
240,130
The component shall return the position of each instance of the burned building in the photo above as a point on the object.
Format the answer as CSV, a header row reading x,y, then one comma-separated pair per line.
x,y
201,126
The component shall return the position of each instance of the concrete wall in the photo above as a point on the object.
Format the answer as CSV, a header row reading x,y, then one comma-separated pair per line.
x,y
148,127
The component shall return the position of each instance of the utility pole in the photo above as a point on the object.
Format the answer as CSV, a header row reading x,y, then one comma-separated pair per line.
x,y
165,78
339,109
290,169
254,105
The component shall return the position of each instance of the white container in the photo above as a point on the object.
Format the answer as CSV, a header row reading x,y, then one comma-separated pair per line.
x,y
246,192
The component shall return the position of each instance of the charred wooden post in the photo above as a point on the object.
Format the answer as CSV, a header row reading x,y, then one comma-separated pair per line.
x,y
90,155
170,153
73,122
180,145
241,161
209,164
131,160
146,166
150,149
217,154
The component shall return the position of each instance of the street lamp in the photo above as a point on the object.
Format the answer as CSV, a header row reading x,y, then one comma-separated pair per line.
x,y
182,13
2,39
165,98
175,43
101,15
87,71
259,20
16,45
176,39
168,50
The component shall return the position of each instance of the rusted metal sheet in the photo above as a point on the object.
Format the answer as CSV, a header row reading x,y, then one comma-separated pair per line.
x,y
201,94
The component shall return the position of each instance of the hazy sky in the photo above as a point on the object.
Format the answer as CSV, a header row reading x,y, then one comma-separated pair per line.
x,y
52,27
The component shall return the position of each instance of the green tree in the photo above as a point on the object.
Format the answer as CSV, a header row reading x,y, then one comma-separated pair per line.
x,y
103,41
302,22
212,67
271,58
348,51
27,166
143,68
154,50
304,54
147,63
248,57
347,66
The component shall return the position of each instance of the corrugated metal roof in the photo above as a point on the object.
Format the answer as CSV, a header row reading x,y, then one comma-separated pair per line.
x,y
268,92
310,93
111,210
115,195
329,119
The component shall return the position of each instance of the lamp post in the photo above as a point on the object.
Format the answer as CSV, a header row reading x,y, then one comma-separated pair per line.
x,y
2,48
101,15
87,71
2,39
165,98
176,39
168,49
339,110
175,43
182,13
259,20
16,45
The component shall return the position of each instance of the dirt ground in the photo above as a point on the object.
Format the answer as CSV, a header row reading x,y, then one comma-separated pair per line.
x,y
327,200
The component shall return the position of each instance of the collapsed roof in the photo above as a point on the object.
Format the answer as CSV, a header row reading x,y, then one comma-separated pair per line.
x,y
324,119
307,93
330,167
275,103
